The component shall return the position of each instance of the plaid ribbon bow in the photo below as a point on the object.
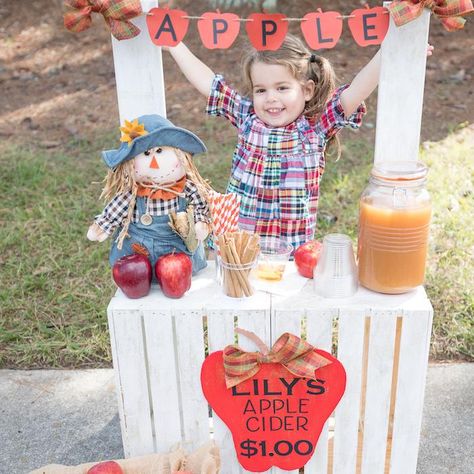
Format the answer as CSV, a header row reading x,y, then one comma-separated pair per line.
x,y
116,14
450,12
296,355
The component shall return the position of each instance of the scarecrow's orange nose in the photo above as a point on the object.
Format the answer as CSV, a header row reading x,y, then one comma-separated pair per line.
x,y
154,163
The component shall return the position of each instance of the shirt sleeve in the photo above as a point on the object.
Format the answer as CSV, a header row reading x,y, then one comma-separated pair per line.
x,y
201,209
224,101
333,118
114,213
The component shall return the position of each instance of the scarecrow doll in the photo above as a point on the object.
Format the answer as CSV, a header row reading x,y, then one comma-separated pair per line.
x,y
157,200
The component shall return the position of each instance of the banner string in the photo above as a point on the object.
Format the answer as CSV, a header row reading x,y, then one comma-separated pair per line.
x,y
243,20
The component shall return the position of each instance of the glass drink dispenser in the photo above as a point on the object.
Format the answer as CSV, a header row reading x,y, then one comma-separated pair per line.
x,y
394,217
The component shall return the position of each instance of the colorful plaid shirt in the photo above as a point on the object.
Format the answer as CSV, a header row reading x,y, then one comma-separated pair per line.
x,y
116,210
277,171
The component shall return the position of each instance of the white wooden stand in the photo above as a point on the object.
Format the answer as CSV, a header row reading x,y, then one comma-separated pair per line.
x,y
159,344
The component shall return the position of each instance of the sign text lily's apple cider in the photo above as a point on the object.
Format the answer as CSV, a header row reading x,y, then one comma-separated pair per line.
x,y
394,217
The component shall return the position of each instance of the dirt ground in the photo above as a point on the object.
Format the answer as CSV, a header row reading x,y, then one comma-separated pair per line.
x,y
56,85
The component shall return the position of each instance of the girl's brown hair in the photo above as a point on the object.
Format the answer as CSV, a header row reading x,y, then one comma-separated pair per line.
x,y
304,66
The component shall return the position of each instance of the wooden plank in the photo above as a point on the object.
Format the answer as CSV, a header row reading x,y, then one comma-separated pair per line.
x,y
220,327
116,366
189,341
259,323
413,364
138,59
350,354
285,321
400,90
379,379
319,334
127,333
163,380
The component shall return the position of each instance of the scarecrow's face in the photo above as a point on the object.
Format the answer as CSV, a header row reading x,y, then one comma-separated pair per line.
x,y
158,165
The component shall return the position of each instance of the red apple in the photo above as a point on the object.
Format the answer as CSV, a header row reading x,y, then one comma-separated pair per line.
x,y
322,30
266,31
218,30
133,274
167,27
106,467
369,25
173,272
306,257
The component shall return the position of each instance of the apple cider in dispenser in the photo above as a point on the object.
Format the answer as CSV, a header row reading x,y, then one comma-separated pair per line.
x,y
394,217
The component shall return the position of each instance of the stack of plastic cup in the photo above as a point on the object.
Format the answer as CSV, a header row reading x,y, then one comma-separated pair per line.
x,y
335,275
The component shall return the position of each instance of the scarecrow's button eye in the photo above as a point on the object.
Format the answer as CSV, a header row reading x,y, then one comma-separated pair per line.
x,y
159,150
147,152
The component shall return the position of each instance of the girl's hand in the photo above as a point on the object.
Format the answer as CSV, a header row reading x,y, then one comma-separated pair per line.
x,y
429,50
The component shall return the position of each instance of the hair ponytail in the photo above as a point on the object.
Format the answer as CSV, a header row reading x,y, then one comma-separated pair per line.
x,y
322,74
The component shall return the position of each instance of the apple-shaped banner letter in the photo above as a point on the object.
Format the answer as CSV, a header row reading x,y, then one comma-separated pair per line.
x,y
369,25
322,30
265,31
167,27
218,30
275,417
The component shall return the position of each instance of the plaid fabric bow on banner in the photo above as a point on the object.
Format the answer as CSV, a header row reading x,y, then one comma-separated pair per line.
x,y
296,355
450,12
116,13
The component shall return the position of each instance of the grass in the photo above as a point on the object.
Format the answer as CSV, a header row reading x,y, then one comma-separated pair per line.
x,y
55,285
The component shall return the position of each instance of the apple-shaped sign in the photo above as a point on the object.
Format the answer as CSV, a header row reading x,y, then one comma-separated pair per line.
x,y
369,25
173,272
133,274
275,417
167,27
218,30
322,30
266,31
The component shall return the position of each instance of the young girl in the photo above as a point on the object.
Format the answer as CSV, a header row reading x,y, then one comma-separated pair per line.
x,y
291,111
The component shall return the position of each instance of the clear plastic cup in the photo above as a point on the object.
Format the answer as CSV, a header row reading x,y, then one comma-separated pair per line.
x,y
235,279
335,275
274,255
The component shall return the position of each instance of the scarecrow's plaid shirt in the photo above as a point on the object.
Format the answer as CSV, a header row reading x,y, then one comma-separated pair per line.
x,y
277,171
116,210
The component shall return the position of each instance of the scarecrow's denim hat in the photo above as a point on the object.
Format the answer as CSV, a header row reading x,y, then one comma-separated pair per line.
x,y
155,131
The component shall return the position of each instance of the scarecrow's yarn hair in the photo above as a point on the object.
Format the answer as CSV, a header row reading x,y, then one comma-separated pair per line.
x,y
202,185
121,180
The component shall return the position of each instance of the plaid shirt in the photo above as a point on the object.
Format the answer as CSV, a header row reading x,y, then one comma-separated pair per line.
x,y
277,171
116,210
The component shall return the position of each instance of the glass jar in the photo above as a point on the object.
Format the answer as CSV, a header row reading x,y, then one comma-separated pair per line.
x,y
394,217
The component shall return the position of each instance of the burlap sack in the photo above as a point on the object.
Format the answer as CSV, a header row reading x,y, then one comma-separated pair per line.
x,y
205,460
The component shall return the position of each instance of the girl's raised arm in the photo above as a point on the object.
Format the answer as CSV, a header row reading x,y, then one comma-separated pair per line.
x,y
362,86
196,72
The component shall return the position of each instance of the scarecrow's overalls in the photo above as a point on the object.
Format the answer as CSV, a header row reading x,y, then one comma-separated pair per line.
x,y
158,238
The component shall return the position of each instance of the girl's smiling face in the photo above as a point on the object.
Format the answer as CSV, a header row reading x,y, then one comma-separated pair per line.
x,y
158,165
278,97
